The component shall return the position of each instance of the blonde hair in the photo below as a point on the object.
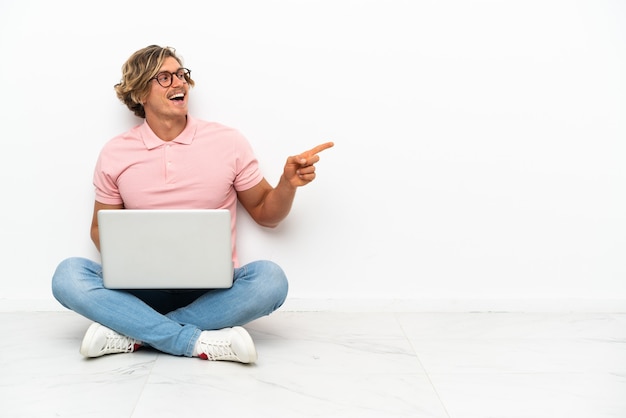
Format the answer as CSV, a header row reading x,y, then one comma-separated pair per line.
x,y
137,72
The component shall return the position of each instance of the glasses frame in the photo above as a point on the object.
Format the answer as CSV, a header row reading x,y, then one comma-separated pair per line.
x,y
185,77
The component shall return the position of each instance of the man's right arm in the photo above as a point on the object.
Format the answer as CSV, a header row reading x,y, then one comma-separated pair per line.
x,y
95,232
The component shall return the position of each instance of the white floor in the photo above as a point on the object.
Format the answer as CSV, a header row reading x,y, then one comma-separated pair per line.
x,y
479,365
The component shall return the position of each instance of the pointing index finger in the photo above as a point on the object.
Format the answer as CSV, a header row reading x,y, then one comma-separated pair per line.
x,y
319,148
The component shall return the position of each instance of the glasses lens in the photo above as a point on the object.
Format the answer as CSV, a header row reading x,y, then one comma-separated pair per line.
x,y
183,74
164,79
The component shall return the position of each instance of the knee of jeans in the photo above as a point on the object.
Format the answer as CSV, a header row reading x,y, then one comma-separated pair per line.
x,y
59,278
280,284
62,279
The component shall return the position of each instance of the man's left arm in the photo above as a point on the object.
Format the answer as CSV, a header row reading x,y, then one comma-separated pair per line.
x,y
268,205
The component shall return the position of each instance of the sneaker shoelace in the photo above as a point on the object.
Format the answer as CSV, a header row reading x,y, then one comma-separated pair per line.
x,y
216,350
119,343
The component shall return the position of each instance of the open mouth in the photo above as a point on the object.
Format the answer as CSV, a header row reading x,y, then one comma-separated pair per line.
x,y
178,97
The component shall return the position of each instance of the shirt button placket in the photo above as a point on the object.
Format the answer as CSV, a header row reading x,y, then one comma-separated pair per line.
x,y
168,163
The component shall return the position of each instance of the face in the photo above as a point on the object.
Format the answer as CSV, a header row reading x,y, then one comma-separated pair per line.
x,y
167,102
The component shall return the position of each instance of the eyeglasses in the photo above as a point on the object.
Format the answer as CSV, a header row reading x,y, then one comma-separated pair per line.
x,y
165,78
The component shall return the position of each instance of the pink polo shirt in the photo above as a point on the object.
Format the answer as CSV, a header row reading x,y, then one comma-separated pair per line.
x,y
203,168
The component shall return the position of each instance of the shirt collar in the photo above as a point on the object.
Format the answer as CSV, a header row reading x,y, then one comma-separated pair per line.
x,y
152,141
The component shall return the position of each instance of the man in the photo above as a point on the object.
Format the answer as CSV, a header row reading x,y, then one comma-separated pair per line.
x,y
175,161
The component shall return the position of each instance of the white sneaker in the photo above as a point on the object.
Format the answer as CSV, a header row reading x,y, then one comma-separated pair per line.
x,y
232,344
100,340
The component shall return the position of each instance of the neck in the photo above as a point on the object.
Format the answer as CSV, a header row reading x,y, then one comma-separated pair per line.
x,y
167,128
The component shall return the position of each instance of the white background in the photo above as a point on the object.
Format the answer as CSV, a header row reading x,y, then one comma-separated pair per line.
x,y
479,157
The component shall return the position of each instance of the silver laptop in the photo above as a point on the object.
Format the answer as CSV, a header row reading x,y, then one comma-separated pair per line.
x,y
166,249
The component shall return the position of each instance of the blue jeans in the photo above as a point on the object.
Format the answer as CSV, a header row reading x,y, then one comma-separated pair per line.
x,y
169,321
